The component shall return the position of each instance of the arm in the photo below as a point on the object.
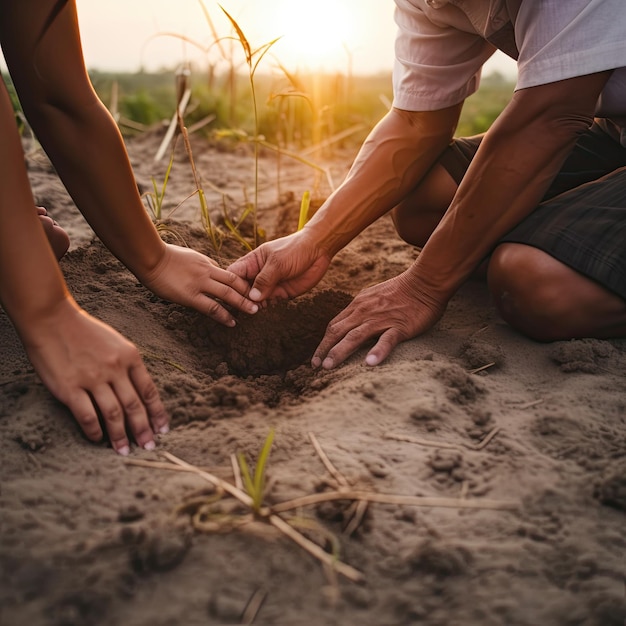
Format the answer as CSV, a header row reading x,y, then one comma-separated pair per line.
x,y
84,363
393,159
514,166
85,146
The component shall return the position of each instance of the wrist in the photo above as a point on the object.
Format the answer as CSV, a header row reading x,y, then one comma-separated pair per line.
x,y
148,263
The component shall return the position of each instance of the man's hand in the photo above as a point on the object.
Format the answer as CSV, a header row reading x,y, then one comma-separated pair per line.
x,y
283,268
192,279
393,311
98,375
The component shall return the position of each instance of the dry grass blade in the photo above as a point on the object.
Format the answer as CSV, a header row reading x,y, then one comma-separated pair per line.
x,y
429,443
384,498
332,470
254,606
240,495
236,471
274,520
182,105
480,369
487,439
328,559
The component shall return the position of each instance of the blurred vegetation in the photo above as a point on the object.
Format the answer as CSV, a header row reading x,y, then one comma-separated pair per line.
x,y
295,111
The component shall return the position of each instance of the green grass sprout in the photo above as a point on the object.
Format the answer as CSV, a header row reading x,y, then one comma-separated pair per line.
x,y
304,209
255,485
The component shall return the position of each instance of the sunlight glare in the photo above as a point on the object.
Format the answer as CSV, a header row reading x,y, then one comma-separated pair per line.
x,y
315,36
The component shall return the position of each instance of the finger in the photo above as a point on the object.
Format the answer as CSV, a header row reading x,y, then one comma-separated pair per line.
x,y
135,414
213,309
384,346
149,394
232,289
247,267
113,418
84,412
351,341
335,331
264,283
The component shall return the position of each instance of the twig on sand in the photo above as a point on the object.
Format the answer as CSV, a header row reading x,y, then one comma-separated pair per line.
x,y
483,367
358,508
386,498
254,606
528,405
341,480
487,439
236,471
276,521
344,491
429,443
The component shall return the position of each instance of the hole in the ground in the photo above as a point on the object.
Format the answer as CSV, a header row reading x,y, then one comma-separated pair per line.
x,y
279,338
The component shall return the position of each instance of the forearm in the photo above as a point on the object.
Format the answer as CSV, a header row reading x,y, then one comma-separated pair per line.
x,y
88,153
514,166
31,283
393,159
42,48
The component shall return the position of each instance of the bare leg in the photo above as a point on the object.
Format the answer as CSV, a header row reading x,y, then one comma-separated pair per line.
x,y
58,238
547,300
417,216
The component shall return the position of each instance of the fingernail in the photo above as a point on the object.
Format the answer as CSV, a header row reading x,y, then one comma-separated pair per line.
x,y
231,323
328,363
316,361
149,445
123,451
254,294
254,309
164,430
371,359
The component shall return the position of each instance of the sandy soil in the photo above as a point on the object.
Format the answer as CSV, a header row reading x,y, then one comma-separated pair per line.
x,y
529,453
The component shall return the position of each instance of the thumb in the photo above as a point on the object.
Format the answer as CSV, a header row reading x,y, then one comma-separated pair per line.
x,y
264,283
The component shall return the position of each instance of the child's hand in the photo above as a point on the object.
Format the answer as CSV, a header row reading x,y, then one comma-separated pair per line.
x,y
98,375
194,280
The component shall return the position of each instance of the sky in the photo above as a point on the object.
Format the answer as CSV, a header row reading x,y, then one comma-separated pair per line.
x,y
328,35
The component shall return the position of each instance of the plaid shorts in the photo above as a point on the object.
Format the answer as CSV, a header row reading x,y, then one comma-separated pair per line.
x,y
582,218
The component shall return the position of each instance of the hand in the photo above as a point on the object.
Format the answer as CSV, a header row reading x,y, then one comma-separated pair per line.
x,y
96,373
393,311
283,268
192,279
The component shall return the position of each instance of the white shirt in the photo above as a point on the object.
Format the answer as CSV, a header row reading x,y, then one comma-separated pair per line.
x,y
442,45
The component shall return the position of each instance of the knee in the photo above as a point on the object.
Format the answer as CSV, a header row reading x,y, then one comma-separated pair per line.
x,y
409,224
529,292
417,216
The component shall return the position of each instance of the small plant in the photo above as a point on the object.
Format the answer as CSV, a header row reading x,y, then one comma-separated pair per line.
x,y
154,198
304,209
255,485
253,58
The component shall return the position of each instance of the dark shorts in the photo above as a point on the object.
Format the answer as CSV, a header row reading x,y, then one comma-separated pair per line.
x,y
582,218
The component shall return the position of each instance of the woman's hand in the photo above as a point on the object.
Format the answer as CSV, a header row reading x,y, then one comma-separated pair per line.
x,y
192,279
98,375
393,311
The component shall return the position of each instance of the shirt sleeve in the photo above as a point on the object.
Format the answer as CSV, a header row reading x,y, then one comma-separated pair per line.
x,y
560,39
438,58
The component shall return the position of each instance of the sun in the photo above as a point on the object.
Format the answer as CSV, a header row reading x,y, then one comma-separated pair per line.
x,y
314,36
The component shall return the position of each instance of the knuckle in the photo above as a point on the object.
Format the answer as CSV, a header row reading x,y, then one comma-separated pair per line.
x,y
150,393
132,406
112,414
89,423
212,308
